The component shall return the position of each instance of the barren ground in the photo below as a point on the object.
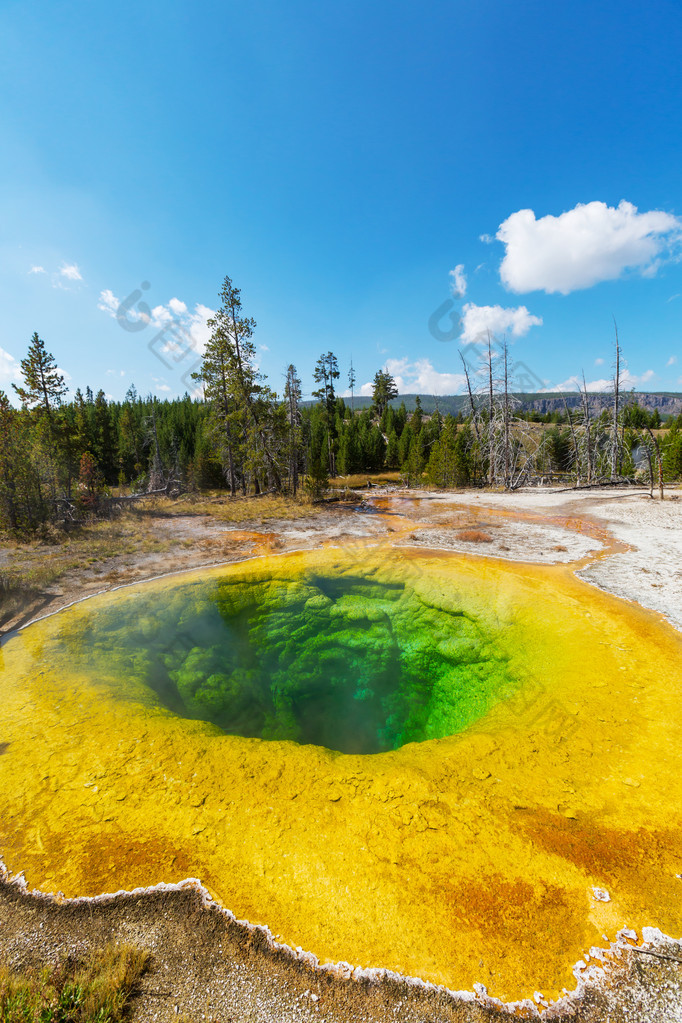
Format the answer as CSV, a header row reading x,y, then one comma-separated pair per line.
x,y
207,966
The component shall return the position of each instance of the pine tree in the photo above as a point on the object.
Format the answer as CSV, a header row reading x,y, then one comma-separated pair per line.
x,y
325,373
292,397
42,395
104,439
352,379
383,390
351,459
392,452
243,409
21,504
44,385
404,444
400,419
417,417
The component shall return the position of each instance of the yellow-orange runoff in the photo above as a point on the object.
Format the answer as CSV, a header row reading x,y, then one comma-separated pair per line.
x,y
471,858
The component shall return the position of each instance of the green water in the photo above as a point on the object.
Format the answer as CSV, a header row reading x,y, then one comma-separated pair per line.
x,y
350,663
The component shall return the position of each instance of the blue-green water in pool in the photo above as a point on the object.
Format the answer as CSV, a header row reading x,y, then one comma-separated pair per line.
x,y
351,663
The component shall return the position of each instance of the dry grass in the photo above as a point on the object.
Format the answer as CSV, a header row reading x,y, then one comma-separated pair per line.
x,y
237,509
55,550
28,569
95,991
105,548
474,536
362,479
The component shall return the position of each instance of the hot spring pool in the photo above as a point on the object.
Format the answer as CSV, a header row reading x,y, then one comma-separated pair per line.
x,y
347,661
421,762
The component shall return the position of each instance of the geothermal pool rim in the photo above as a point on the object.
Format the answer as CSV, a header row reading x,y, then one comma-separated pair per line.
x,y
653,941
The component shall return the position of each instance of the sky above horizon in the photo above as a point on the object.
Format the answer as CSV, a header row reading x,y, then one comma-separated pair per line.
x,y
389,182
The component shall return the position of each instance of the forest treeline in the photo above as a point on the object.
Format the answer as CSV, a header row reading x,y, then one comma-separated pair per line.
x,y
61,459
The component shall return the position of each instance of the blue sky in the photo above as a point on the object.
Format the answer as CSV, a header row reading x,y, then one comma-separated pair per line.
x,y
338,162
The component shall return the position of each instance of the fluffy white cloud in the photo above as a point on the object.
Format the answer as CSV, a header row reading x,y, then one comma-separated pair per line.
x,y
177,307
198,327
185,329
478,320
592,242
419,377
599,362
458,286
188,328
627,381
672,360
108,302
71,272
10,370
37,270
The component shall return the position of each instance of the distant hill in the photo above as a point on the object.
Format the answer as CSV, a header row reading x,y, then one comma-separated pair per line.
x,y
667,402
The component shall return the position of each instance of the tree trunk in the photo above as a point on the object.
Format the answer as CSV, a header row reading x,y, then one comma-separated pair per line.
x,y
491,432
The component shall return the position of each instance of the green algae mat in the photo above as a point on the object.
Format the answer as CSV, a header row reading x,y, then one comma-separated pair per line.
x,y
454,768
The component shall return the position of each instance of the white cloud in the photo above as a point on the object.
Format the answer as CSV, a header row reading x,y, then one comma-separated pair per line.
x,y
108,302
10,370
199,330
185,329
161,315
420,377
673,297
37,270
188,328
177,307
592,242
672,360
263,348
487,239
71,272
478,320
458,287
599,362
627,381
366,389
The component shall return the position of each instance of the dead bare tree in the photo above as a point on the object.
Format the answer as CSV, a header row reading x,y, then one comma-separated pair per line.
x,y
474,411
491,416
587,425
615,443
574,438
